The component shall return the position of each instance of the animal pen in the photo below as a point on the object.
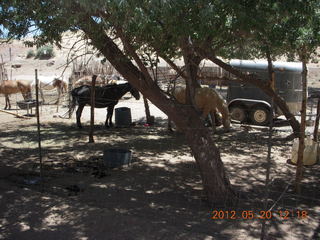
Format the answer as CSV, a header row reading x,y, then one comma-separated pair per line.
x,y
163,179
3,72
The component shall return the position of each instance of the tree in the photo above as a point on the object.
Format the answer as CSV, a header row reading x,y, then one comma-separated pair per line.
x,y
107,22
121,30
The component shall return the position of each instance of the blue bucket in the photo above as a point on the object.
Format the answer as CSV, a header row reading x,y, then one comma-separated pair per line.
x,y
116,157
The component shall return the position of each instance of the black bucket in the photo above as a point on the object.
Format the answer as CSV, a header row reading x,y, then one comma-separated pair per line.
x,y
116,157
123,117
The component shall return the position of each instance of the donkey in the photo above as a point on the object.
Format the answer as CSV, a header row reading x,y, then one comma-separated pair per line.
x,y
105,97
50,83
14,86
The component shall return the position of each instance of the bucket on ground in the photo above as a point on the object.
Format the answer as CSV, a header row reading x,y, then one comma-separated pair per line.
x,y
116,157
123,117
310,153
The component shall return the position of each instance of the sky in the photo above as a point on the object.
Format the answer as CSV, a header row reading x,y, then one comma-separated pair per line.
x,y
3,31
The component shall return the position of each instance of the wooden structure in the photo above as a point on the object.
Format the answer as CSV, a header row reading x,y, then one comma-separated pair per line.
x,y
3,72
90,68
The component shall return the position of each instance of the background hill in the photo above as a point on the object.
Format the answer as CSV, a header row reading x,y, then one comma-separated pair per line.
x,y
15,53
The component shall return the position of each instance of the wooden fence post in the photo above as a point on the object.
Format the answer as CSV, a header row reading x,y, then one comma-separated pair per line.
x,y
69,95
93,84
38,124
316,126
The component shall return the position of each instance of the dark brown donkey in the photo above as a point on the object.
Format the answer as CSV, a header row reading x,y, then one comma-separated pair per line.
x,y
105,97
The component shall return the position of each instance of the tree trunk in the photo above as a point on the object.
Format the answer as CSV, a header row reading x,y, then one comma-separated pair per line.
x,y
216,184
149,119
92,103
192,66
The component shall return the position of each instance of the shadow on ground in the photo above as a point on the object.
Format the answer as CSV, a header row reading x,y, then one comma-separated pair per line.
x,y
158,197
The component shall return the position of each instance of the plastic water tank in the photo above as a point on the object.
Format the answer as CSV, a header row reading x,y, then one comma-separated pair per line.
x,y
123,117
310,154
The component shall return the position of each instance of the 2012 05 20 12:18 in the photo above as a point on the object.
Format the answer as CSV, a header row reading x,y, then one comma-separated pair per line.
x,y
263,214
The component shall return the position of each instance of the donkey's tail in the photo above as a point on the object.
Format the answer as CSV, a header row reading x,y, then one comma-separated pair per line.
x,y
72,106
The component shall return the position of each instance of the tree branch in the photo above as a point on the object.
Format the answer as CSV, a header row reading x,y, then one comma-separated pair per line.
x,y
127,45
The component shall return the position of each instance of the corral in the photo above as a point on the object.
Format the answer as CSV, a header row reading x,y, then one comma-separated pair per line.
x,y
161,191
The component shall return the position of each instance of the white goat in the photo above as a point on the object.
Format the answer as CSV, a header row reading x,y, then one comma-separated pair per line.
x,y
100,80
50,83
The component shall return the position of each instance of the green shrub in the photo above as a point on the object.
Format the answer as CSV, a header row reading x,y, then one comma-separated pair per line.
x,y
314,60
45,52
30,54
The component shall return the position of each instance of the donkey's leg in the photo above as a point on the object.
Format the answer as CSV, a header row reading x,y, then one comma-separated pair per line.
x,y
24,96
5,98
109,116
169,125
9,104
213,120
223,109
41,94
78,115
207,113
29,94
7,101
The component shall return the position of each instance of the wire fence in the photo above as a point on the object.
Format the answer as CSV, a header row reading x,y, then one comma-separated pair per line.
x,y
156,181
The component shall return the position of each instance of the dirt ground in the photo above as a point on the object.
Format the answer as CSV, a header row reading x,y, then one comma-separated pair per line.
x,y
157,197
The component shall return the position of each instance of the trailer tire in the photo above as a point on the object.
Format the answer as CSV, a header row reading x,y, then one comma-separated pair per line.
x,y
238,113
260,115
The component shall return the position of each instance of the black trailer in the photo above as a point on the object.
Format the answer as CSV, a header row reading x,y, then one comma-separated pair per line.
x,y
248,103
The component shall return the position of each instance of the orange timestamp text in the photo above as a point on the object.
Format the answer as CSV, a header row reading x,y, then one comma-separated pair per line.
x,y
263,214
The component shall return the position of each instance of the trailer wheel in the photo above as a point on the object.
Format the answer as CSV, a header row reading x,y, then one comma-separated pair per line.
x,y
260,115
238,113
